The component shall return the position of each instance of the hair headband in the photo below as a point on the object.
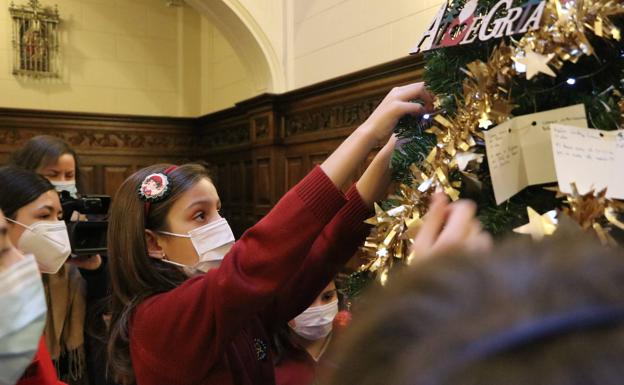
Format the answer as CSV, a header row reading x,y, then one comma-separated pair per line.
x,y
155,188
530,332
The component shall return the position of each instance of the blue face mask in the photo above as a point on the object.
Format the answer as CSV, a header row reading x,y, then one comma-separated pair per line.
x,y
22,318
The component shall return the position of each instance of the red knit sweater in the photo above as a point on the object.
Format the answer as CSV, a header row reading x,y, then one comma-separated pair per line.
x,y
297,367
213,329
40,371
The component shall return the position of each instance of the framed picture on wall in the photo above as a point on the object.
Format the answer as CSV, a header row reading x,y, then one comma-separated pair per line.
x,y
35,39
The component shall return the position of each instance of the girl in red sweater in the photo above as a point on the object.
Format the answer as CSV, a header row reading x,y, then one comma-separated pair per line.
x,y
171,323
300,346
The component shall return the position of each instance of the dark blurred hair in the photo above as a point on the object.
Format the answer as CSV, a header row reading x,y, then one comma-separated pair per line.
x,y
19,187
42,151
134,275
418,329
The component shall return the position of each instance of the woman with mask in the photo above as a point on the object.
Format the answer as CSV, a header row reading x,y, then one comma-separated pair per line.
x,y
212,328
56,160
52,158
23,353
300,345
33,209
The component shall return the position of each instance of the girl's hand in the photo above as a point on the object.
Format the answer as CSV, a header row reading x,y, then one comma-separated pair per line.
x,y
342,163
395,105
449,227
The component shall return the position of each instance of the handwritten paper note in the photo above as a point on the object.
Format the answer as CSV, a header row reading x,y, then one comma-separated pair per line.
x,y
617,188
520,151
505,161
589,158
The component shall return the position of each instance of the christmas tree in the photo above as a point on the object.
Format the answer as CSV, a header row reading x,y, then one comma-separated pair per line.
x,y
489,61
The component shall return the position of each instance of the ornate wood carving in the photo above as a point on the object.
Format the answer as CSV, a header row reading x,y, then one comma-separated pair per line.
x,y
261,127
227,136
98,133
103,140
331,117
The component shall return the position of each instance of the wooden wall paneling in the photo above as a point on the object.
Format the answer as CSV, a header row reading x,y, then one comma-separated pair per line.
x,y
223,183
263,180
237,170
248,182
100,166
317,158
294,170
238,208
88,179
248,187
110,147
114,177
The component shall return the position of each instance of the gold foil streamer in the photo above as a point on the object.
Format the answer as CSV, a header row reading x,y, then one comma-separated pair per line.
x,y
487,102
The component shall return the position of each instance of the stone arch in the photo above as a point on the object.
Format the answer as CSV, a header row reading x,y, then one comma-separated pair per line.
x,y
248,39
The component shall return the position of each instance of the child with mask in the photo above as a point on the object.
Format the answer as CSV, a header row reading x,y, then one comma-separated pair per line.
x,y
24,358
54,159
301,344
167,328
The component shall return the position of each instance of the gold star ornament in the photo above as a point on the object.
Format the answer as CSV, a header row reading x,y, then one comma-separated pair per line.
x,y
534,63
539,225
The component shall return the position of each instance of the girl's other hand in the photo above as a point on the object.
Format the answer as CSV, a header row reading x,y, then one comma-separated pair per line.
x,y
448,228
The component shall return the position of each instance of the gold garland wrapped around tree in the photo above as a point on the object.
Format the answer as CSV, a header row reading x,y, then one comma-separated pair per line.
x,y
567,31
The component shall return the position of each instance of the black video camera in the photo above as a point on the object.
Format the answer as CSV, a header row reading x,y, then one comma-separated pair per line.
x,y
87,237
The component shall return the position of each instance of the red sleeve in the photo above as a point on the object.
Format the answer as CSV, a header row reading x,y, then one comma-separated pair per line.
x,y
183,332
333,248
40,371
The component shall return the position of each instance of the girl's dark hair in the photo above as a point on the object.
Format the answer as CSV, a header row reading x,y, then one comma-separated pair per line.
x,y
418,331
134,275
42,151
19,187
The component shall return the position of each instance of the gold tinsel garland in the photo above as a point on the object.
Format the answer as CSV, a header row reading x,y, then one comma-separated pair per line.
x,y
487,102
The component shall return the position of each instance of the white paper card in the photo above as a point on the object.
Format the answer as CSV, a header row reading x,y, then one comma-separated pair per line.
x,y
589,158
534,133
617,186
520,151
505,161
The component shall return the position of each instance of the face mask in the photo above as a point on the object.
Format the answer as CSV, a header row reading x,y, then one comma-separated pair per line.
x,y
48,241
211,241
70,187
22,317
316,322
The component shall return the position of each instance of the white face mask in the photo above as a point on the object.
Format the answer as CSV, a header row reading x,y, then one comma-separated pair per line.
x,y
22,317
48,241
211,241
69,186
316,322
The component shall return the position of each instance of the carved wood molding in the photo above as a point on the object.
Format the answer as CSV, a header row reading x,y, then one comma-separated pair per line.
x,y
332,117
225,137
100,133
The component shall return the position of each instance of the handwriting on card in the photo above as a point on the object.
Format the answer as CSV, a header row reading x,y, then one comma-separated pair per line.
x,y
505,161
520,152
588,158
